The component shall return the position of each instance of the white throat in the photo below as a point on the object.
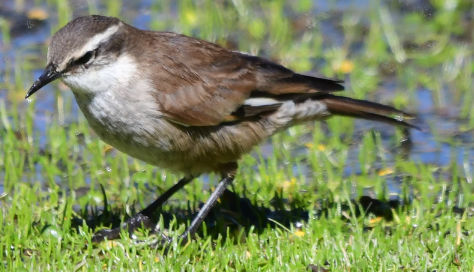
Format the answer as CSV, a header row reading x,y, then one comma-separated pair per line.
x,y
96,79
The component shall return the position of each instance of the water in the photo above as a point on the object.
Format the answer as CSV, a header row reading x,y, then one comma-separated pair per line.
x,y
25,43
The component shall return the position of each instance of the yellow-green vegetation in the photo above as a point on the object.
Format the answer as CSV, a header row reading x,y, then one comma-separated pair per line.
x,y
341,195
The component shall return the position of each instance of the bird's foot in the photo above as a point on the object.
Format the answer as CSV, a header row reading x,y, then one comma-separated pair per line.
x,y
165,242
137,221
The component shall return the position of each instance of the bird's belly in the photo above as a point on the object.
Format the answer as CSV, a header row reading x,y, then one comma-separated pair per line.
x,y
131,126
143,134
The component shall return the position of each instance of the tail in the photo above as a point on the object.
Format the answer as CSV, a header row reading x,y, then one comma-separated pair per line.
x,y
345,106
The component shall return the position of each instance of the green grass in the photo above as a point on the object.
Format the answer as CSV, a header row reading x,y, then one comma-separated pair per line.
x,y
52,166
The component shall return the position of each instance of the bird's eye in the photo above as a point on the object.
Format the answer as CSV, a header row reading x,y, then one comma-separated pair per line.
x,y
84,59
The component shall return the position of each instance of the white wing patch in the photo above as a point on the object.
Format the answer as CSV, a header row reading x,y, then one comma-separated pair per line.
x,y
261,101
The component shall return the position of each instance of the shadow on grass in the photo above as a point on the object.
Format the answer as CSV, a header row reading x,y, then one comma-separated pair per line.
x,y
233,212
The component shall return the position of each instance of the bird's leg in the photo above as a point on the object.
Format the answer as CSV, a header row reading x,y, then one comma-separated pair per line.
x,y
141,219
189,233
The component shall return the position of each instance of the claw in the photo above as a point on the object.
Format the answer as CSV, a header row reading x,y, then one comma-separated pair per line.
x,y
164,242
138,221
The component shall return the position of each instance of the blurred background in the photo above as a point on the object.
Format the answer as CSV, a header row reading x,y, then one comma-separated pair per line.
x,y
414,186
416,55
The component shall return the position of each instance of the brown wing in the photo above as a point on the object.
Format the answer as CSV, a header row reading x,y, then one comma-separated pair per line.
x,y
203,84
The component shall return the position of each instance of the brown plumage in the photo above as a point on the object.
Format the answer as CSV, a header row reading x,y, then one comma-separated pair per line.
x,y
184,104
213,84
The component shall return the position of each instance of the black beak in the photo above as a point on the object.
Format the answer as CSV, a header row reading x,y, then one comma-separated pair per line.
x,y
48,75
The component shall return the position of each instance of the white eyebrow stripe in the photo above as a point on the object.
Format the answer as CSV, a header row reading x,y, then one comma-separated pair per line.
x,y
93,43
99,38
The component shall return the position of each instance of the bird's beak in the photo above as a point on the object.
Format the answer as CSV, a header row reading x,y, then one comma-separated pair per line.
x,y
48,75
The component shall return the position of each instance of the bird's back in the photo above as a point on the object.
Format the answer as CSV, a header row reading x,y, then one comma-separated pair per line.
x,y
189,105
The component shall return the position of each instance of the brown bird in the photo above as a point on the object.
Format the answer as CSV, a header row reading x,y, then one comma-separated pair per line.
x,y
184,104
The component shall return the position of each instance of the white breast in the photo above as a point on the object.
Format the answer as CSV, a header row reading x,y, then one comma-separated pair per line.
x,y
119,106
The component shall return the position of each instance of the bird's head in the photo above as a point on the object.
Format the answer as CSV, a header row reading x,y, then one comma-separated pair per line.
x,y
80,48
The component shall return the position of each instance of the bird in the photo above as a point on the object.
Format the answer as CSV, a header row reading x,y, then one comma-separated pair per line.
x,y
186,105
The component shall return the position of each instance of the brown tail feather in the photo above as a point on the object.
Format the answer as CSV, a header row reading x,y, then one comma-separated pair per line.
x,y
346,106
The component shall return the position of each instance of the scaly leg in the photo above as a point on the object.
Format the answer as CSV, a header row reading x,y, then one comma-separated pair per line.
x,y
189,233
